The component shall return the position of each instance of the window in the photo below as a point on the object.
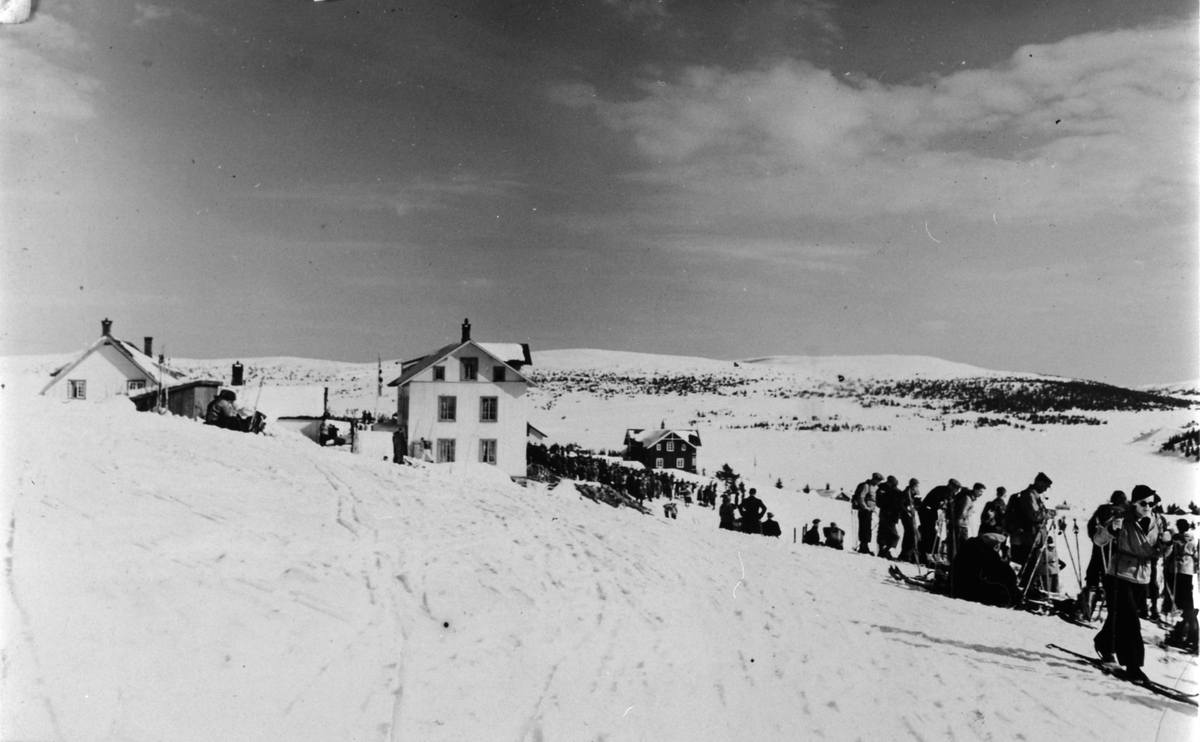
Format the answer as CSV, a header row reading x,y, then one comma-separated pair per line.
x,y
470,369
488,406
439,373
135,385
658,463
445,452
670,445
657,446
487,451
678,463
76,389
498,373
447,409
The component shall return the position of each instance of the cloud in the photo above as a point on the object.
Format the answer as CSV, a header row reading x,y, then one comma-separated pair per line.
x,y
38,89
425,194
148,13
1085,126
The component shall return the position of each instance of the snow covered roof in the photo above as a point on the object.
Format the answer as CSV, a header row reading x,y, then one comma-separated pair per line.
x,y
417,365
144,363
647,438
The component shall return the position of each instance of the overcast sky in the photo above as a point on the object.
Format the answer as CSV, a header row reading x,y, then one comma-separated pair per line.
x,y
1009,184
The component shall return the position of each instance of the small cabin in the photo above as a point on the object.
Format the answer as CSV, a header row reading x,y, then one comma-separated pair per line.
x,y
665,448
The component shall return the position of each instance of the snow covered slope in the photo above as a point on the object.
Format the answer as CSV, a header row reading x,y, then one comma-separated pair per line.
x,y
171,581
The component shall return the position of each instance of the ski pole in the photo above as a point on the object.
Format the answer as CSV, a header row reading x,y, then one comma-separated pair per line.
x,y
1074,565
1079,574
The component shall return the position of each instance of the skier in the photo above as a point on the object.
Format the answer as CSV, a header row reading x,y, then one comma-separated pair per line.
x,y
991,520
1183,554
1098,563
1025,521
863,502
888,499
770,527
909,497
963,505
752,510
929,510
1137,540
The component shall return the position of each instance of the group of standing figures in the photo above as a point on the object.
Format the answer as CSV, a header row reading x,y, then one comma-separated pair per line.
x,y
1129,535
937,525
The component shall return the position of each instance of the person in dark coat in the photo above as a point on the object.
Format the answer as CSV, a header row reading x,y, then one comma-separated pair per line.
x,y
222,412
812,534
863,503
1097,565
933,506
770,527
1025,520
725,512
910,498
981,574
1137,541
752,510
834,536
991,519
887,499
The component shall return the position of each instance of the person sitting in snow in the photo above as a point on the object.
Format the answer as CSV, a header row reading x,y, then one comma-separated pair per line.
x,y
812,536
770,527
834,536
222,412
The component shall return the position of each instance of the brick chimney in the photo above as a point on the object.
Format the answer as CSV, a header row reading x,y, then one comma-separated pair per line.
x,y
106,327
466,330
148,346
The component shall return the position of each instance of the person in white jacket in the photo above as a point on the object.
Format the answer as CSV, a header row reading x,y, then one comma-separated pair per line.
x,y
1137,539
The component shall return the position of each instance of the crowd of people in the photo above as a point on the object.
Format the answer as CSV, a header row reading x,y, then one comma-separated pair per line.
x,y
1013,557
1141,567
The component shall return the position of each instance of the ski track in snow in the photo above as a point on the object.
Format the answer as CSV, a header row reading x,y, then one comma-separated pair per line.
x,y
173,581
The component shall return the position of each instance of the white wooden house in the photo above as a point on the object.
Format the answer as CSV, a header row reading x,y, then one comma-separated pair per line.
x,y
466,402
111,367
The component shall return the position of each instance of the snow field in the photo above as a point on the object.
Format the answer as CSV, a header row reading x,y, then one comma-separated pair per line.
x,y
173,581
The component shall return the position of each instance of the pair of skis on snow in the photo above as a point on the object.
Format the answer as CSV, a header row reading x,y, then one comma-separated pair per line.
x,y
1118,672
1108,669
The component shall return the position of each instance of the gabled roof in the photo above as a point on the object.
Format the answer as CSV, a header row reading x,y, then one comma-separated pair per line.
x,y
140,360
647,438
417,365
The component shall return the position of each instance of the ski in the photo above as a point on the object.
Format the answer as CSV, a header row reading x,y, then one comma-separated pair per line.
x,y
1119,673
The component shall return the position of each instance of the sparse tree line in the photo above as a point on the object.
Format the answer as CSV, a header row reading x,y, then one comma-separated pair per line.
x,y
1186,443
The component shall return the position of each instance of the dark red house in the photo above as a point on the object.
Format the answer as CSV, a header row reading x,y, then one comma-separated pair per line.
x,y
663,449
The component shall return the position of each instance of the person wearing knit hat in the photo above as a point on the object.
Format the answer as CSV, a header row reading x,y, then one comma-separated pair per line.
x,y
1136,538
